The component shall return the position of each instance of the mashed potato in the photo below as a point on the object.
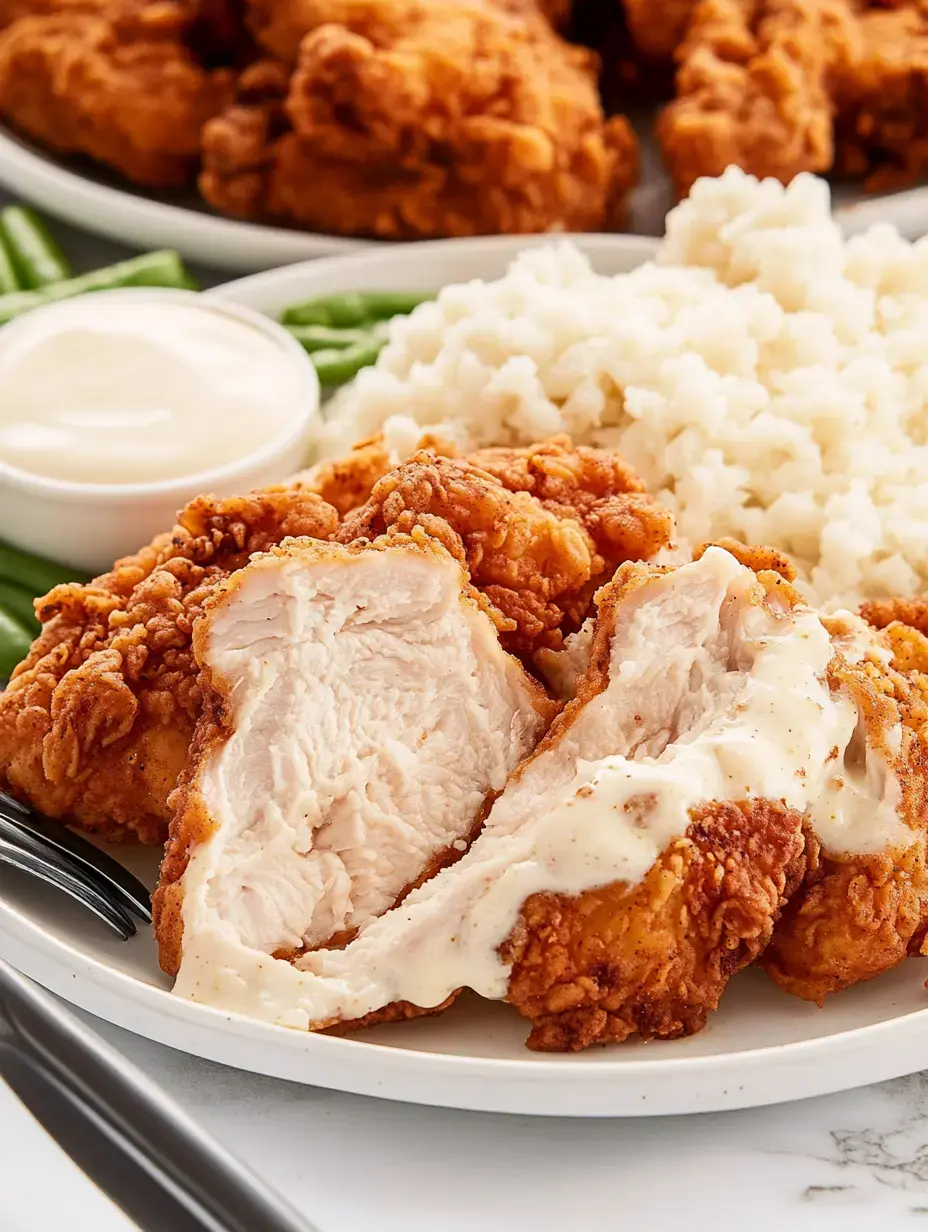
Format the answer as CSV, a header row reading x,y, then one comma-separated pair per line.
x,y
767,378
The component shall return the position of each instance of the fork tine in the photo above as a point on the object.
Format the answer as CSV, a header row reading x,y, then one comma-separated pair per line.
x,y
24,839
73,850
28,862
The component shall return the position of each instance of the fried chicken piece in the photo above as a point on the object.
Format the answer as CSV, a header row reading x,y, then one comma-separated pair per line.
x,y
123,86
418,118
880,96
864,903
682,669
754,88
539,529
96,723
617,883
359,758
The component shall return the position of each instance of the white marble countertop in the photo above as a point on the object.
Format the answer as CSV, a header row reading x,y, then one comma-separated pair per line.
x,y
847,1163
856,1162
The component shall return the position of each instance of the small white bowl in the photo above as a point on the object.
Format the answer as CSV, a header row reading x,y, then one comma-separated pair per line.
x,y
90,525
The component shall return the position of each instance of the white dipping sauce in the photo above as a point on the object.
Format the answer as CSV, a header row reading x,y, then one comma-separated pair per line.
x,y
119,389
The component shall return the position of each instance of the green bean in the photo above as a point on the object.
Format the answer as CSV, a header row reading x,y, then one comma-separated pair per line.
x,y
382,305
9,279
36,256
354,308
33,573
322,337
152,269
335,367
14,643
335,311
19,604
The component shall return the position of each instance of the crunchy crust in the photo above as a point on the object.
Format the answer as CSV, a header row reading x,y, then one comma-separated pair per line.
x,y
760,559
883,612
539,529
346,483
191,824
655,959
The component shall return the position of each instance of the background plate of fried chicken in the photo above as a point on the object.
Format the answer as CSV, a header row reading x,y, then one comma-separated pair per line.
x,y
468,570
247,133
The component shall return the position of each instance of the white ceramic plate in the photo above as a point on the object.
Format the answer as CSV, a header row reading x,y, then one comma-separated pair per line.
x,y
761,1047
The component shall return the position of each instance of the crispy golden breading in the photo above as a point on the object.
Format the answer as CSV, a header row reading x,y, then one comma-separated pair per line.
x,y
538,535
346,483
96,722
760,559
419,119
753,88
596,487
653,959
884,612
857,916
122,87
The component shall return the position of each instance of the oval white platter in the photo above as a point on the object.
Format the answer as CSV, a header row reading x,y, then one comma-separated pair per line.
x,y
118,212
106,205
761,1047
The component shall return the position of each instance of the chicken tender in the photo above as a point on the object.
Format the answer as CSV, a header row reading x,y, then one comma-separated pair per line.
x,y
366,755
124,87
538,535
419,118
754,88
96,723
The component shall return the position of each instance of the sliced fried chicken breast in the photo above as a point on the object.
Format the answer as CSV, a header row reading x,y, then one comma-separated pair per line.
x,y
863,904
363,713
636,860
97,720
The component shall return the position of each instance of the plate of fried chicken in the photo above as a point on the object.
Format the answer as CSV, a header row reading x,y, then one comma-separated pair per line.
x,y
429,759
254,133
